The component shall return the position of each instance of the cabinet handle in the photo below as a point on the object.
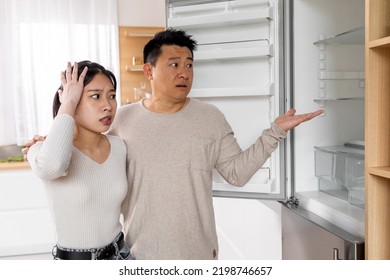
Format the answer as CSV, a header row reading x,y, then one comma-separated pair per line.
x,y
336,254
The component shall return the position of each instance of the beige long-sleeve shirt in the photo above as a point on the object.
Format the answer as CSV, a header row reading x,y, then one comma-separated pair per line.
x,y
84,197
169,208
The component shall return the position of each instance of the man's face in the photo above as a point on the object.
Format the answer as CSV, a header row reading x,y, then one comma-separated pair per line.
x,y
171,77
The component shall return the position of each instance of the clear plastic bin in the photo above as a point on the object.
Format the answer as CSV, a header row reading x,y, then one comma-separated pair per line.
x,y
340,172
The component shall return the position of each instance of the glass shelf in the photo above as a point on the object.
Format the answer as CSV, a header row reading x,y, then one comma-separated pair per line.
x,y
353,36
341,75
339,98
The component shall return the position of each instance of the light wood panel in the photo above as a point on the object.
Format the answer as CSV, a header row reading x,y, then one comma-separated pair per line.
x,y
377,129
131,44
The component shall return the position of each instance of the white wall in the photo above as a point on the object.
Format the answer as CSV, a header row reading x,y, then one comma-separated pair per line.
x,y
141,13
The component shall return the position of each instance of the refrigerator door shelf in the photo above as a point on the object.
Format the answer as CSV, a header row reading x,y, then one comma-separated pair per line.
x,y
212,23
267,90
219,14
248,188
237,50
221,19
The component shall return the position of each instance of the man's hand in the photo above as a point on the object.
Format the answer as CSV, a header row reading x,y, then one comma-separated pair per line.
x,y
31,142
289,120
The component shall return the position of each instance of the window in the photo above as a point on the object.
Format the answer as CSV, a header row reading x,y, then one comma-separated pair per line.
x,y
36,49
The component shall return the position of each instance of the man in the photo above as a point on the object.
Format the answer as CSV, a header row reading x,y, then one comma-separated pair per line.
x,y
173,144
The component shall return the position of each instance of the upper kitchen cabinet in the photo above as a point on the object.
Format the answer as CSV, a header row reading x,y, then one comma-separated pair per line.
x,y
377,129
134,86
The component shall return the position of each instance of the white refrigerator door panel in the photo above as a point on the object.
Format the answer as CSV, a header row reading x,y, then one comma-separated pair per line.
x,y
255,114
237,70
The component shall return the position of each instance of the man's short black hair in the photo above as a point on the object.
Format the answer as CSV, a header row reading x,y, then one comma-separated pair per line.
x,y
171,36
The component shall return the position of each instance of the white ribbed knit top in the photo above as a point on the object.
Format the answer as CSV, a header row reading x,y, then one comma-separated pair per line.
x,y
84,196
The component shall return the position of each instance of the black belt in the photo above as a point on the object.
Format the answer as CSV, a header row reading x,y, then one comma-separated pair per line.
x,y
93,254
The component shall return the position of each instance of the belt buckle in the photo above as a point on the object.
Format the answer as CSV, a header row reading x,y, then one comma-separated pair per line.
x,y
100,253
105,252
94,254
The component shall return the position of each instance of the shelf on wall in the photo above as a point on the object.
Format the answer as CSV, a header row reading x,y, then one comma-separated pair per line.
x,y
380,43
382,171
137,68
141,35
353,36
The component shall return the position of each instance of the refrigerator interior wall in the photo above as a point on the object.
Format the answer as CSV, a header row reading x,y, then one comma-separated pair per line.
x,y
328,74
237,70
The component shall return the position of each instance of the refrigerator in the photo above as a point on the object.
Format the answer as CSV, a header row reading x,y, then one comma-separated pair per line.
x,y
255,60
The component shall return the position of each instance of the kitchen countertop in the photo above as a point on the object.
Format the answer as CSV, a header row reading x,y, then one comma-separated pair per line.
x,y
14,165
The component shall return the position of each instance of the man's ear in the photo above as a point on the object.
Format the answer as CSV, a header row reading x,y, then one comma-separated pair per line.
x,y
148,71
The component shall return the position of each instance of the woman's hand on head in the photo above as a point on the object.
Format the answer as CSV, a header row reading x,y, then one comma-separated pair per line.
x,y
72,88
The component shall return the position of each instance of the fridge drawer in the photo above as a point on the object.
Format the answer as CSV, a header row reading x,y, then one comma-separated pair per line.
x,y
307,236
340,172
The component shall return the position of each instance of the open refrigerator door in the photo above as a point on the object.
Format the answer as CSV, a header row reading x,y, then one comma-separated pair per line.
x,y
239,69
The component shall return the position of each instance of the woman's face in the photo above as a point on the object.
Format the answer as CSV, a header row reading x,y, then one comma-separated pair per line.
x,y
97,107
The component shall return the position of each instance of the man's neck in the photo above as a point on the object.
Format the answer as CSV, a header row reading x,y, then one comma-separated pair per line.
x,y
162,106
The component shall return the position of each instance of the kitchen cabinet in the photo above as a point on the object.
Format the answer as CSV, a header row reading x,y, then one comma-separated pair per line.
x,y
132,40
26,223
377,129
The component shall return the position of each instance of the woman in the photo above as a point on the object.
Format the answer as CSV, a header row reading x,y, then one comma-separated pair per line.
x,y
84,170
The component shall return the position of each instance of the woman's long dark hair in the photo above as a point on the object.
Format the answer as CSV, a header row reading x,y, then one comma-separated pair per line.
x,y
93,70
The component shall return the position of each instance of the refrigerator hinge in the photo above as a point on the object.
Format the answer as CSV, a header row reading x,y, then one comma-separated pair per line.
x,y
293,201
